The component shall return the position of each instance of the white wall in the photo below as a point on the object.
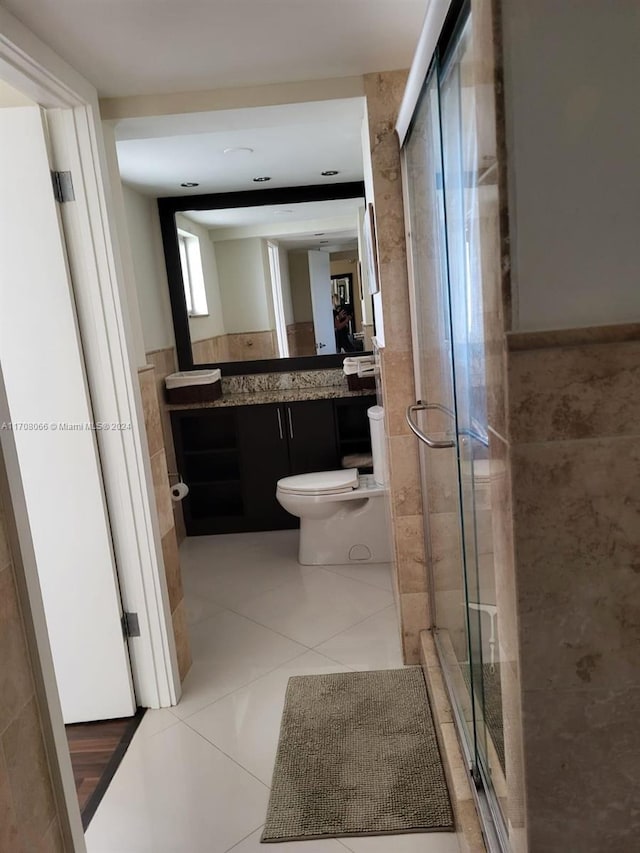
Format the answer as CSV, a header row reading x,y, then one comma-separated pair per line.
x,y
213,325
132,317
287,302
573,138
245,287
150,274
300,287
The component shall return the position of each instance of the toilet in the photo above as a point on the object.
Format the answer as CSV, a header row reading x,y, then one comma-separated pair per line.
x,y
342,513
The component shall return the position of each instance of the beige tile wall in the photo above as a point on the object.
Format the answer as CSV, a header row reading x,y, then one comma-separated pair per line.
x,y
252,345
210,350
164,506
575,449
302,339
384,93
165,362
29,819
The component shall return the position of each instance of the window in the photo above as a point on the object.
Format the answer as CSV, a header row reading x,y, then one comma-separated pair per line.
x,y
192,276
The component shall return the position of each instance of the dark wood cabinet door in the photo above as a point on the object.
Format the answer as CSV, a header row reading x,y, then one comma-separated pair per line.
x,y
264,453
311,431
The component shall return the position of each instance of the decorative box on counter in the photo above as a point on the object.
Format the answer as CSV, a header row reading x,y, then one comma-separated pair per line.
x,y
360,372
193,386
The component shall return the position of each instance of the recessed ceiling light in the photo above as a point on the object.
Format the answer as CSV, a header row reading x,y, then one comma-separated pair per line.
x,y
262,179
330,173
189,184
238,149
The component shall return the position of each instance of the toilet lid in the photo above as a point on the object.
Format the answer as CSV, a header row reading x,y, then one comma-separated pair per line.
x,y
321,482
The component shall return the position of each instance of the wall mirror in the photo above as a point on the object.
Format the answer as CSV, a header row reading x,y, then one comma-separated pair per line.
x,y
269,279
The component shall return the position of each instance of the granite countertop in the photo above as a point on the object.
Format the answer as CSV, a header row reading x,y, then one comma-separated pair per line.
x,y
275,395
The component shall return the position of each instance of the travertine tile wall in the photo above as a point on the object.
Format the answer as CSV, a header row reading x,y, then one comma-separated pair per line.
x,y
28,816
251,345
384,93
210,350
165,361
242,346
302,339
575,448
164,505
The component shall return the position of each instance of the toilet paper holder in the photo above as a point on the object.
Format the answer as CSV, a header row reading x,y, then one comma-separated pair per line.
x,y
178,490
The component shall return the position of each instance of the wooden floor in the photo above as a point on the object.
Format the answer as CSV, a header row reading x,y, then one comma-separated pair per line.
x,y
96,751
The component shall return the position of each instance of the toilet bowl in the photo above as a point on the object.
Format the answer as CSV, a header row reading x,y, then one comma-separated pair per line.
x,y
342,513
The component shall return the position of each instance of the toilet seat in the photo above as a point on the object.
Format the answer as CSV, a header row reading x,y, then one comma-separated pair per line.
x,y
321,483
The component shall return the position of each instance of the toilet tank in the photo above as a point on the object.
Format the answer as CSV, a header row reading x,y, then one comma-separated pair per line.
x,y
378,445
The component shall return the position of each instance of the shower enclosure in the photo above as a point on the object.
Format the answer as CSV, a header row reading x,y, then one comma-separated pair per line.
x,y
451,206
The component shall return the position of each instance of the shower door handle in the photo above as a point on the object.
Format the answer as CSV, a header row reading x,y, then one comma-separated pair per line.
x,y
430,442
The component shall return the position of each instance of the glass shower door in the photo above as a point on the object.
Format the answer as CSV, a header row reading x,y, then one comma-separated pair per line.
x,y
460,171
448,204
433,418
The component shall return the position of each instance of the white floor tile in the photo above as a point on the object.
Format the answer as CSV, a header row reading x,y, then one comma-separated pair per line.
x,y
246,724
228,652
252,845
175,792
411,842
371,644
316,606
154,722
375,574
195,778
199,608
228,569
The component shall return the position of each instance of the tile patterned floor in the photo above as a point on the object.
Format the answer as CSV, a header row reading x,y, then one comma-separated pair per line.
x,y
196,777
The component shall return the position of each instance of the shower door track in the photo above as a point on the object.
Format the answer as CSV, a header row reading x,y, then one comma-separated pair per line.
x,y
491,821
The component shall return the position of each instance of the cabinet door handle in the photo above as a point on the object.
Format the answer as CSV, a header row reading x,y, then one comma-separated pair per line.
x,y
290,422
280,423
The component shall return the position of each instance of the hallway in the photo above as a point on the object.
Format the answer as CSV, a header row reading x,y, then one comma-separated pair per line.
x,y
196,778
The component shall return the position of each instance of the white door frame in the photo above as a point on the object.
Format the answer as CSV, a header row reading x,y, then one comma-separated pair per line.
x,y
98,277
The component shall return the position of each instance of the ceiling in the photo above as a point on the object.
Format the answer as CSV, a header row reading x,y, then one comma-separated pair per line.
x,y
277,213
135,47
292,144
327,225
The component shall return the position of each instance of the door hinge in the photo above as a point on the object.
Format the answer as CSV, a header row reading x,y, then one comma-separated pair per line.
x,y
130,625
62,186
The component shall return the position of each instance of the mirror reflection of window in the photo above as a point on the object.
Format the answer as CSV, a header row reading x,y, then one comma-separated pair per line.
x,y
195,293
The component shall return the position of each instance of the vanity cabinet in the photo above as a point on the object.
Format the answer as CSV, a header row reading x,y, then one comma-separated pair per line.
x,y
209,461
232,457
278,440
